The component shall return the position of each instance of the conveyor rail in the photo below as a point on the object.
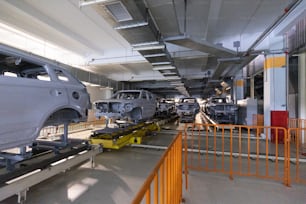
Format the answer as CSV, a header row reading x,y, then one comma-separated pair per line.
x,y
118,137
42,167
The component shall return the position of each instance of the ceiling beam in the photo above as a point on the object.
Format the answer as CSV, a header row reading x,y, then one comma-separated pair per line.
x,y
204,46
213,16
29,10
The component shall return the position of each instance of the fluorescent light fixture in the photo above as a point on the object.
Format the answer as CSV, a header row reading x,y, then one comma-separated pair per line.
x,y
172,77
155,55
90,84
167,67
86,3
150,47
132,25
170,73
231,59
160,63
145,44
178,83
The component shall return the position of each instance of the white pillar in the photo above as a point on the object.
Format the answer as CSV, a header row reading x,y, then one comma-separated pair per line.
x,y
239,89
301,89
302,86
275,88
252,87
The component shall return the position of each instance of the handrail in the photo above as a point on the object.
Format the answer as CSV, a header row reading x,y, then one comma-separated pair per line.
x,y
166,177
238,150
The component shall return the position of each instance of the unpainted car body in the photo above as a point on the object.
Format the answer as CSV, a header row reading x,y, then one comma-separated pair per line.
x,y
165,108
222,111
34,94
187,107
130,105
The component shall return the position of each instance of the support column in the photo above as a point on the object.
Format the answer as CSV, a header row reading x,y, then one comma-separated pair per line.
x,y
301,89
252,88
275,88
238,89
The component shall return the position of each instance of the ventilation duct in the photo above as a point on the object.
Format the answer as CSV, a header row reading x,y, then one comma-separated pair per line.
x,y
118,11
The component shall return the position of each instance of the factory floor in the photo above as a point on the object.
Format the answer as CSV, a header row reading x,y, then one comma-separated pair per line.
x,y
119,174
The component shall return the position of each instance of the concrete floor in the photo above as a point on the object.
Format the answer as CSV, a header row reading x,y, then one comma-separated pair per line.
x,y
119,175
211,188
116,179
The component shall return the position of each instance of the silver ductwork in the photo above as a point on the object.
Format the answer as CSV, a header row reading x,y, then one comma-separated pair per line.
x,y
134,22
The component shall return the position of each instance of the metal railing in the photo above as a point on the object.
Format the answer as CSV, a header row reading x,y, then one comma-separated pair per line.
x,y
51,131
254,151
164,184
297,155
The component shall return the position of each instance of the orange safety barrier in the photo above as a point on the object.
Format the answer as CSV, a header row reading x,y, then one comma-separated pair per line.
x,y
258,119
295,123
238,150
298,156
165,182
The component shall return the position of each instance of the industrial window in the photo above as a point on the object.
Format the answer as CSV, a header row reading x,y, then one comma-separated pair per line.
x,y
13,66
144,95
60,75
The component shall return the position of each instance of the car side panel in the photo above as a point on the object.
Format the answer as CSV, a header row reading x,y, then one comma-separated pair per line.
x,y
24,104
150,107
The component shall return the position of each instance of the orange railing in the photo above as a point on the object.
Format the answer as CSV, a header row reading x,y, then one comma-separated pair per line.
x,y
258,119
297,155
296,123
165,182
238,150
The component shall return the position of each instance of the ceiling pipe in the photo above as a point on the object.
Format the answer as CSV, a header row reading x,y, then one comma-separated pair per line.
x,y
185,17
287,11
87,3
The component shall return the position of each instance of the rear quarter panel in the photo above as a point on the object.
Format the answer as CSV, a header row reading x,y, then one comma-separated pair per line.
x,y
25,104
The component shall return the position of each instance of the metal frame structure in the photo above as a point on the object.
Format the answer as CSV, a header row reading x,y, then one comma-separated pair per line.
x,y
20,185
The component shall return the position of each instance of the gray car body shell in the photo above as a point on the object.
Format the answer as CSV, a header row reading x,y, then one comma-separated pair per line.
x,y
28,104
187,106
138,108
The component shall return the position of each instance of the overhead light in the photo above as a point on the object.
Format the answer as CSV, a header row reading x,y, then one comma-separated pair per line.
x,y
166,67
132,25
230,59
170,73
86,3
177,84
172,77
155,55
160,63
145,44
90,84
150,47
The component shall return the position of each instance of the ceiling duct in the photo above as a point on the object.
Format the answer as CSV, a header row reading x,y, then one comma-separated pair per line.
x,y
134,22
119,11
